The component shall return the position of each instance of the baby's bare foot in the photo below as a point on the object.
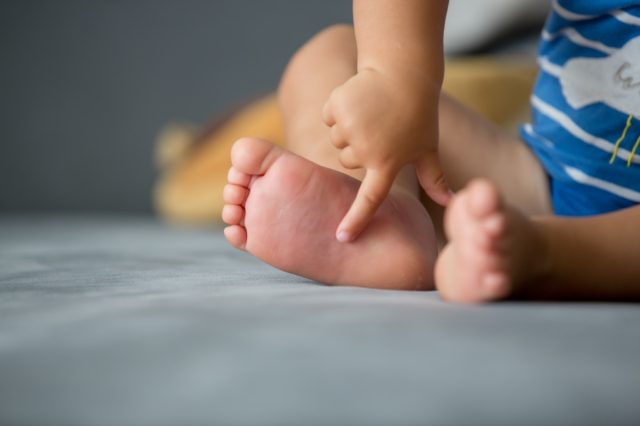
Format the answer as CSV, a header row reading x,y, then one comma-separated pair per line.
x,y
285,210
493,251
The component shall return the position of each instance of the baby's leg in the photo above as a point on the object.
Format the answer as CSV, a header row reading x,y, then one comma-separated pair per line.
x,y
471,147
284,208
496,251
492,247
503,239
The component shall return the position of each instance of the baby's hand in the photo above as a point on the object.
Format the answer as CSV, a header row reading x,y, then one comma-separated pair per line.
x,y
381,122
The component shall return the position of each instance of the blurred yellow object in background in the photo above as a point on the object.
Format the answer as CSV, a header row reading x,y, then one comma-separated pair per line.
x,y
194,166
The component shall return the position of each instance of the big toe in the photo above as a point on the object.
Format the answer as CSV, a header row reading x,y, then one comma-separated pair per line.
x,y
254,156
483,198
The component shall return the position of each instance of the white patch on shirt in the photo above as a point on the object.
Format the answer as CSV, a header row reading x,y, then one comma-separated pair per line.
x,y
614,80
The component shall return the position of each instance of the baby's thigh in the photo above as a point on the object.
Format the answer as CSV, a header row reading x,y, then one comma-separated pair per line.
x,y
472,147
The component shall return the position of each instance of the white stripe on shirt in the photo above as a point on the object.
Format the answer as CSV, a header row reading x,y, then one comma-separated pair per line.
x,y
529,129
625,17
579,39
570,126
581,177
620,191
567,14
619,14
549,67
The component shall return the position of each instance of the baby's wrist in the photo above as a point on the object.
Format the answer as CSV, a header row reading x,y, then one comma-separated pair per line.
x,y
411,69
409,79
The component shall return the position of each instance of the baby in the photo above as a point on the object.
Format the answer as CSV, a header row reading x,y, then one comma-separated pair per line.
x,y
552,214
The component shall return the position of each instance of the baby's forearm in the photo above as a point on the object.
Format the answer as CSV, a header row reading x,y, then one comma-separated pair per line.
x,y
403,35
392,97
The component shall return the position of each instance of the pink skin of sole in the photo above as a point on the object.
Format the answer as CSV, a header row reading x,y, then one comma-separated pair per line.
x,y
285,210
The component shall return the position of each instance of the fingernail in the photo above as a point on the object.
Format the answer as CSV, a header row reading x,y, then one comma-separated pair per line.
x,y
343,236
451,193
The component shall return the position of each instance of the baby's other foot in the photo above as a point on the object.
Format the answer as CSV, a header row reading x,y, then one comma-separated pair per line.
x,y
285,209
494,251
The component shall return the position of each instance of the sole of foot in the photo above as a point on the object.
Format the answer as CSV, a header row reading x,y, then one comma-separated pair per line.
x,y
285,210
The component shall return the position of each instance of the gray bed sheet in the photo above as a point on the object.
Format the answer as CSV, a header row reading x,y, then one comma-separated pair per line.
x,y
117,320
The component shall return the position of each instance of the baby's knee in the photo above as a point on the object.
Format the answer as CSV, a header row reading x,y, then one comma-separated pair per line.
x,y
334,40
334,35
328,45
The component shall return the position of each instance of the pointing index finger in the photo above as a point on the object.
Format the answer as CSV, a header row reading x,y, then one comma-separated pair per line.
x,y
373,190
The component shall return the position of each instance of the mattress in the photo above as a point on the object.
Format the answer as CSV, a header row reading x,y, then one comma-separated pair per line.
x,y
110,319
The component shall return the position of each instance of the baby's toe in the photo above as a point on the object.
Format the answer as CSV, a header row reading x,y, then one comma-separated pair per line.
x,y
495,224
483,199
237,177
232,214
236,235
235,194
254,156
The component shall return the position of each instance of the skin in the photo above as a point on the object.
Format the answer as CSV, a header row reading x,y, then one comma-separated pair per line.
x,y
502,241
496,252
282,208
385,116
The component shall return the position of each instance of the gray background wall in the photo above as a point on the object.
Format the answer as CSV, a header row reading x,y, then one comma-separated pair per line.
x,y
86,85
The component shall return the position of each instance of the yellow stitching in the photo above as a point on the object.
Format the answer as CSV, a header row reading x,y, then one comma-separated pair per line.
x,y
620,139
633,152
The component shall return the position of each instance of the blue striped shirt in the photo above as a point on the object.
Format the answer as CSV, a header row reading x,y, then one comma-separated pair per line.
x,y
585,125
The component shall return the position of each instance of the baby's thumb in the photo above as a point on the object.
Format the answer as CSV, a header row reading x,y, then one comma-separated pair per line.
x,y
432,179
327,113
